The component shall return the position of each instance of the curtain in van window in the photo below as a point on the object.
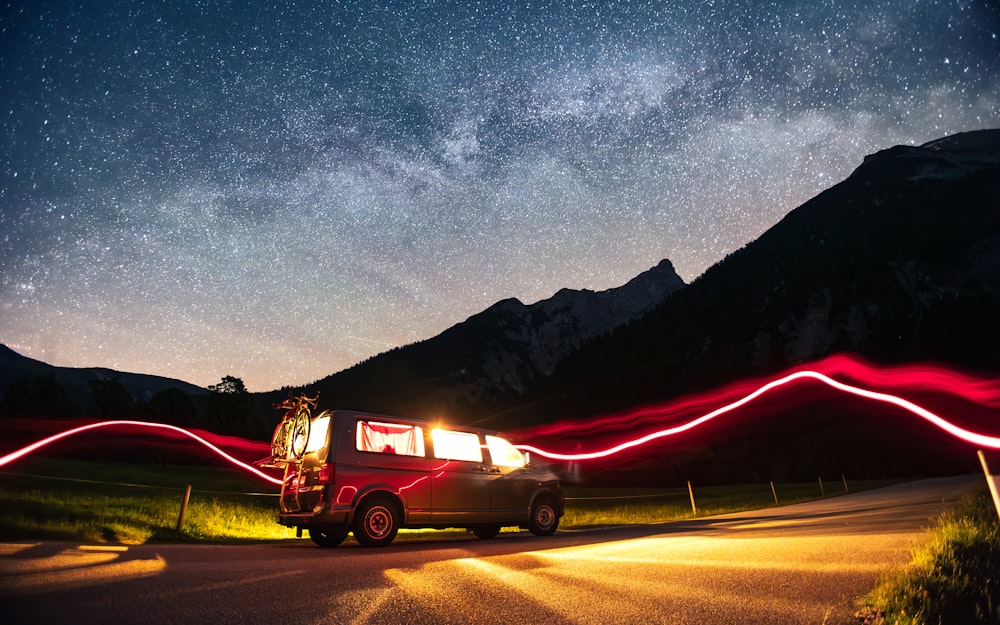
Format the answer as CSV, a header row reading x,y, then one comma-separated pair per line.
x,y
390,438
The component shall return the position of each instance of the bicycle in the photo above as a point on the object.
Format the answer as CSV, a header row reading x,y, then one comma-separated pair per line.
x,y
292,434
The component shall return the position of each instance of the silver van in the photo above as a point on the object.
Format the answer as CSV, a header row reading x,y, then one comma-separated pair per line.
x,y
373,474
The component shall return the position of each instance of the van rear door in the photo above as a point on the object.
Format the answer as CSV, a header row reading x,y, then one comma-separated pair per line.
x,y
301,487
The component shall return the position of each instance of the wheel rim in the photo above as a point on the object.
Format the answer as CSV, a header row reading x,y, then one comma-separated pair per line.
x,y
378,522
300,436
544,517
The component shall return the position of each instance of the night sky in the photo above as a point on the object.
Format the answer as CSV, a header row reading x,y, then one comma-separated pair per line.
x,y
278,191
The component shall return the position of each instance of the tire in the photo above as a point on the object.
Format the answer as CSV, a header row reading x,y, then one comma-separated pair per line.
x,y
279,451
327,537
299,434
376,522
486,531
544,519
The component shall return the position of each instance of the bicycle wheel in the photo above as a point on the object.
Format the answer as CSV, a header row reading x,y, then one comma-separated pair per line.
x,y
279,441
300,434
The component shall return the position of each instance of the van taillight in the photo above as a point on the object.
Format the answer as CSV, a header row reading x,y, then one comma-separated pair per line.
x,y
326,474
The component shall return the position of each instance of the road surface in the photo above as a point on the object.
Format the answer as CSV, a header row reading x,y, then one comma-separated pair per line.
x,y
803,563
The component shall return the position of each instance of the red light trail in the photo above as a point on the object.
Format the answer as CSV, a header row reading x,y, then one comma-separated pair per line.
x,y
983,440
922,379
24,451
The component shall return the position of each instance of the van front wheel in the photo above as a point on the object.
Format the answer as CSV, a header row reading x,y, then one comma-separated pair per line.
x,y
376,523
544,519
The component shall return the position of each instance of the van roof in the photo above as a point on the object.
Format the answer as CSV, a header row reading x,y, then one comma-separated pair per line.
x,y
346,413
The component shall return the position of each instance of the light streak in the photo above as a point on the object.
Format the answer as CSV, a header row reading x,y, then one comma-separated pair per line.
x,y
975,438
923,378
24,451
371,341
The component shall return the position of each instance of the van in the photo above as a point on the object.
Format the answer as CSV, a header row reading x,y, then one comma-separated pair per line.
x,y
374,474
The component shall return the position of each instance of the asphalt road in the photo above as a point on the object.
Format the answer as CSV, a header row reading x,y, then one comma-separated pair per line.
x,y
795,564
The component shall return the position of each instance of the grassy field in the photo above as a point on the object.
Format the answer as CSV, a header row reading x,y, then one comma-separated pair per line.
x,y
134,503
49,498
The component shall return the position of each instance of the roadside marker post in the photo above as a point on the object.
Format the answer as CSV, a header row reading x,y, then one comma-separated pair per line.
x,y
990,481
694,509
184,507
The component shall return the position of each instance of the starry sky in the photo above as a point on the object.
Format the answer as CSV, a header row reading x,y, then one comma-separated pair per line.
x,y
279,190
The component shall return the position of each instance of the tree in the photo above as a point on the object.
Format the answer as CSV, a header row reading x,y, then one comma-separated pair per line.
x,y
42,396
230,385
173,406
230,404
112,399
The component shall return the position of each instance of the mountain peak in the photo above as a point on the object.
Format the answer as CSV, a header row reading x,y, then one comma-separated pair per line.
x,y
504,350
517,350
946,158
978,140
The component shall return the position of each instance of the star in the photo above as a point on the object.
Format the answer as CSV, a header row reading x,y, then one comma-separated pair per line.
x,y
278,192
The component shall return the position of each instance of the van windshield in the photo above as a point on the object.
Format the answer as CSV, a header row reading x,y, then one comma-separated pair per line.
x,y
503,453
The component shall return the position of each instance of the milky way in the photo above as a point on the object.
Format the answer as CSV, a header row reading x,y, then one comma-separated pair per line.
x,y
280,190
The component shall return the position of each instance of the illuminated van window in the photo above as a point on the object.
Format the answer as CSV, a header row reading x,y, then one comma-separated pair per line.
x,y
450,445
503,453
390,438
317,433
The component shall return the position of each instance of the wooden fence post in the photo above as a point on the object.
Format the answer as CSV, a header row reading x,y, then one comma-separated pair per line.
x,y
184,507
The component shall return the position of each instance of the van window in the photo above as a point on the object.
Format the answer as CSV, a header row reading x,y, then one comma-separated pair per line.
x,y
503,453
390,438
451,445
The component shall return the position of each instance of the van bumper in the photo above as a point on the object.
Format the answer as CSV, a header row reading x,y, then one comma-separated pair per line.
x,y
312,519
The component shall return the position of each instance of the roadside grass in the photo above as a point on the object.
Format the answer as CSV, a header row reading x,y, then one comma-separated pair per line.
x,y
598,507
953,578
132,503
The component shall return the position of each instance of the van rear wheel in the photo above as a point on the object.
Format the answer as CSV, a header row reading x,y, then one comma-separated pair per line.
x,y
376,522
326,537
544,519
